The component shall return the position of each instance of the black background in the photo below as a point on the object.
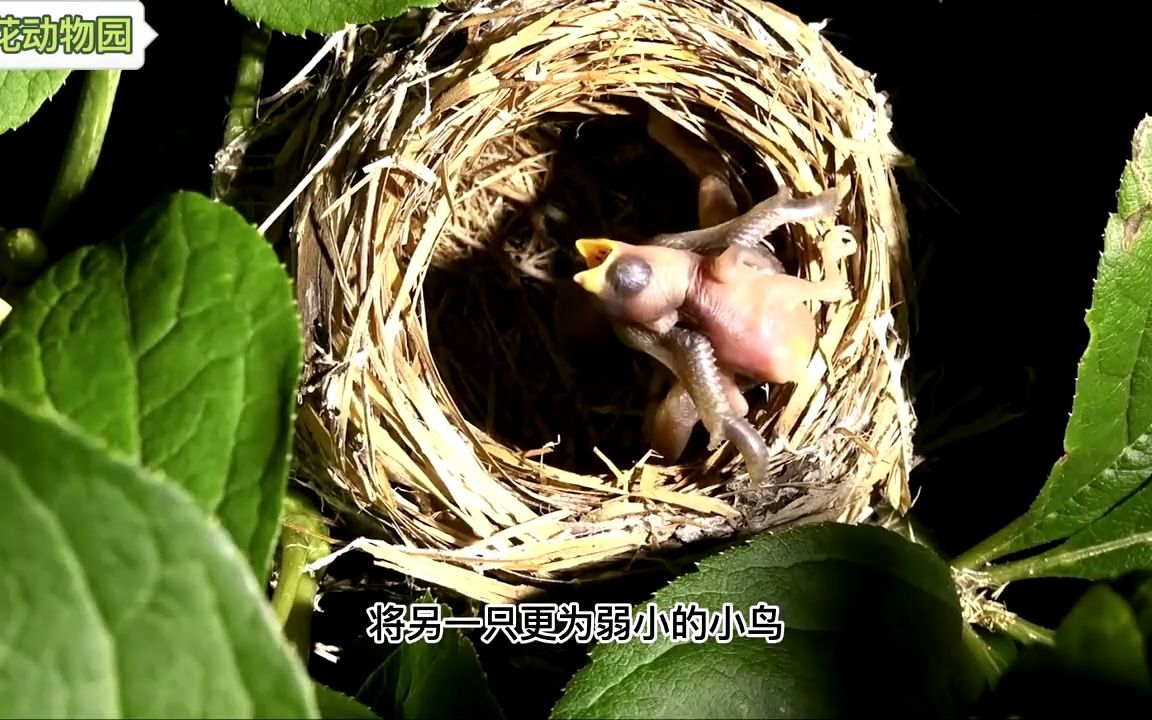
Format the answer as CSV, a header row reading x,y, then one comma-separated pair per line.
x,y
1020,119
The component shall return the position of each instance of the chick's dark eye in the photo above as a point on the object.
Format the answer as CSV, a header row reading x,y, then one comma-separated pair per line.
x,y
629,275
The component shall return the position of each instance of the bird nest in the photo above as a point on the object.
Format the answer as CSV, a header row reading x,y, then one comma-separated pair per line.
x,y
476,445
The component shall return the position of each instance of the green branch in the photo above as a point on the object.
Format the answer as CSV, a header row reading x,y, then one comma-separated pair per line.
x,y
1026,632
249,75
990,548
84,144
1043,565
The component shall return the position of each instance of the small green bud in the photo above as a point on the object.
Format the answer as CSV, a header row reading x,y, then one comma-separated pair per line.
x,y
22,254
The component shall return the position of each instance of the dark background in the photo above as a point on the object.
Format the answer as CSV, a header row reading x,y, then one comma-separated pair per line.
x,y
1019,120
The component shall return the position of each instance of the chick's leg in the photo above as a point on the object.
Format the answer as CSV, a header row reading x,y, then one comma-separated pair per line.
x,y
696,369
670,422
733,264
753,226
780,209
689,355
791,290
715,203
709,391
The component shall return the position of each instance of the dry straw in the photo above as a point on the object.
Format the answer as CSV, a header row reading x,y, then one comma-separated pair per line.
x,y
447,181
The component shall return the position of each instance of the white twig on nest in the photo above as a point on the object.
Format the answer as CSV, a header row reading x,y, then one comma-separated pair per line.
x,y
315,170
301,77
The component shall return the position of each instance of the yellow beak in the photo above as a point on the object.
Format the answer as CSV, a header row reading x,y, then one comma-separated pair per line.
x,y
596,253
596,250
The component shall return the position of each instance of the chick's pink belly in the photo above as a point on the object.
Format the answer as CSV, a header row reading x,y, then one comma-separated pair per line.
x,y
766,347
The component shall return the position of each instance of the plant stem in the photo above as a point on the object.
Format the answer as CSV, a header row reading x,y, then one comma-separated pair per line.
x,y
302,541
249,74
1028,633
990,548
84,144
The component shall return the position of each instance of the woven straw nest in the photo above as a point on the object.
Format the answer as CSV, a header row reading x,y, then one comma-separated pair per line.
x,y
435,219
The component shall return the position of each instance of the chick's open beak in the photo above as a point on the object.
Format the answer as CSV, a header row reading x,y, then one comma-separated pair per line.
x,y
596,253
596,250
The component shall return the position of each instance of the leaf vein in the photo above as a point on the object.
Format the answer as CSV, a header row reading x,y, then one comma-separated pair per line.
x,y
137,448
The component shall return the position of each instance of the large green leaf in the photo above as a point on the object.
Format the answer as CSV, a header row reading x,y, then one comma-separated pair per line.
x,y
119,597
1141,599
1101,639
441,679
177,345
22,92
323,16
1112,410
871,622
1098,663
995,652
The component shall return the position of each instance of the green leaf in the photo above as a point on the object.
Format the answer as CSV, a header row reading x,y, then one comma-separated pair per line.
x,y
120,598
338,706
1115,544
323,16
1141,599
1118,543
1100,639
439,679
1112,410
177,345
22,92
1001,648
1098,661
870,622
994,652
